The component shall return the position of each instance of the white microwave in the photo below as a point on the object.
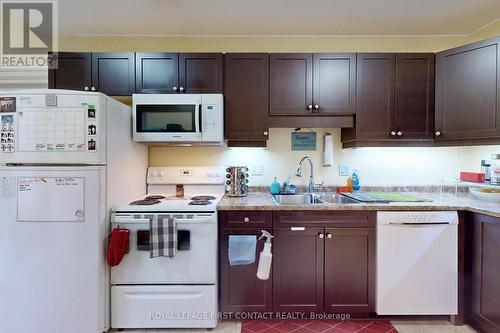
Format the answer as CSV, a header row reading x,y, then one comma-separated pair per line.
x,y
187,118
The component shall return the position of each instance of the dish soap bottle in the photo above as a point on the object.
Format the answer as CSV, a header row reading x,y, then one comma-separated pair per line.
x,y
265,257
355,181
275,187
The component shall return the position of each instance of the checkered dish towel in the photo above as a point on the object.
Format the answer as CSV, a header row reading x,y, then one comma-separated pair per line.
x,y
162,237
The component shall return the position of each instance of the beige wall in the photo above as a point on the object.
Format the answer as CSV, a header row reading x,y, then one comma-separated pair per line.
x,y
376,165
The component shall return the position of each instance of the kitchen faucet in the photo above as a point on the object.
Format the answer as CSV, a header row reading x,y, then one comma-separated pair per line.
x,y
311,177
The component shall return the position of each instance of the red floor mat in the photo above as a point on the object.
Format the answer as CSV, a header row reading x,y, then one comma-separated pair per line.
x,y
317,326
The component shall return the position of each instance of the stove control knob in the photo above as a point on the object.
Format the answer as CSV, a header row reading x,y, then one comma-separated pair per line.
x,y
162,173
154,174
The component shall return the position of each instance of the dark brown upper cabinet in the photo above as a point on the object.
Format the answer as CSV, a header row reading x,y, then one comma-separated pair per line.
x,y
74,71
414,105
246,98
290,84
349,270
200,73
114,73
394,100
157,72
240,289
334,83
468,94
298,270
483,233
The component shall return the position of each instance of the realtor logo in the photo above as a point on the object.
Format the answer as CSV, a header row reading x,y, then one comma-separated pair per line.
x,y
27,27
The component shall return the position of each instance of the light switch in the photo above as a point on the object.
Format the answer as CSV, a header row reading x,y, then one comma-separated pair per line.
x,y
344,170
257,170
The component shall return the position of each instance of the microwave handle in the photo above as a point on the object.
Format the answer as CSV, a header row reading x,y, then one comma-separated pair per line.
x,y
200,128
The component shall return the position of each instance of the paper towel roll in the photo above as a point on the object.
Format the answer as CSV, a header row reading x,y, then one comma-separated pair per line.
x,y
327,150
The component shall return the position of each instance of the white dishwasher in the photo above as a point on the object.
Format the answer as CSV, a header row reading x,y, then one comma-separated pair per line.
x,y
417,263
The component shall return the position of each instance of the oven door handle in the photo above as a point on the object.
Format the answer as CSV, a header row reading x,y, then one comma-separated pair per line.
x,y
129,220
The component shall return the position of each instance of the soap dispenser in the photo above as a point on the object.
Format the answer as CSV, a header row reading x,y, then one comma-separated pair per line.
x,y
265,257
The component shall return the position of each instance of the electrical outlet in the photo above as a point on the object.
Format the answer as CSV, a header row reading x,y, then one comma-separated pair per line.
x,y
257,170
344,170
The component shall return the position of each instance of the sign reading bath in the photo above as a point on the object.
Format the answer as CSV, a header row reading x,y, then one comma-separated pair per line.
x,y
304,141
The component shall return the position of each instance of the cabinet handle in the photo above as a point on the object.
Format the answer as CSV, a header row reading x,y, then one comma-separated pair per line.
x,y
393,133
266,132
399,133
328,236
86,89
321,235
316,106
297,228
181,89
246,219
438,133
310,107
174,88
93,89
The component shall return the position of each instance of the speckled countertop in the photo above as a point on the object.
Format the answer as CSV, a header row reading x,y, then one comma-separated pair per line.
x,y
264,201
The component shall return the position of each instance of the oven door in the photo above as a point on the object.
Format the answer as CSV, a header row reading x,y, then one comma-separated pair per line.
x,y
195,262
167,118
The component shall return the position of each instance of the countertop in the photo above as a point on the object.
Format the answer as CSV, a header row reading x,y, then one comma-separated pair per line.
x,y
264,201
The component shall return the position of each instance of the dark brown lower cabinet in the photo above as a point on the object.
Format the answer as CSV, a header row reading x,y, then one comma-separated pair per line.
x,y
349,270
298,270
240,289
483,234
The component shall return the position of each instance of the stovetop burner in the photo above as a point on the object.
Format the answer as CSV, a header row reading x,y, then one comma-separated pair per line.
x,y
145,202
154,197
199,202
203,197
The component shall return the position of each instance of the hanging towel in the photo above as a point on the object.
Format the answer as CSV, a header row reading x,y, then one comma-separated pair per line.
x,y
242,249
162,236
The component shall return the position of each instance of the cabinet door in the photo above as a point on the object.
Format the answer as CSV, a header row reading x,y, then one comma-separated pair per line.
x,y
73,71
246,96
414,106
334,87
485,287
290,84
240,289
467,92
200,73
349,270
157,73
298,270
375,96
113,73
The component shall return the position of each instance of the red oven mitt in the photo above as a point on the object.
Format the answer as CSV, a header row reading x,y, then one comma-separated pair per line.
x,y
117,245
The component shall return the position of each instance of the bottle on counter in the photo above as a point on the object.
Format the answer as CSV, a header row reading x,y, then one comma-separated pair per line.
x,y
265,258
485,168
275,187
495,169
355,181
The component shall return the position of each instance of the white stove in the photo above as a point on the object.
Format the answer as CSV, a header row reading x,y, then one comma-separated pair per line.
x,y
159,292
203,189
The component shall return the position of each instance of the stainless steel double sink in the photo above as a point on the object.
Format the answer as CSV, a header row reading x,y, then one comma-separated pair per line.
x,y
313,199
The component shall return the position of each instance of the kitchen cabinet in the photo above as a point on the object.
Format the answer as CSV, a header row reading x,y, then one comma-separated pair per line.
x,y
394,101
302,85
73,71
483,233
324,261
200,73
298,270
349,270
240,289
468,94
113,73
246,98
157,72
290,84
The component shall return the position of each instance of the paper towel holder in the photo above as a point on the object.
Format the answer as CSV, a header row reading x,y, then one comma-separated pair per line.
x,y
327,150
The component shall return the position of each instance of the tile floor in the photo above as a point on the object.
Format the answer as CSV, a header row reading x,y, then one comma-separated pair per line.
x,y
400,327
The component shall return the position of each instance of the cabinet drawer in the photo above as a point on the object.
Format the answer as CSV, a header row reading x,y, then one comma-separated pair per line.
x,y
324,218
248,218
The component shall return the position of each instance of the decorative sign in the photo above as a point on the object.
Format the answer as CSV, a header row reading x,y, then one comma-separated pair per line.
x,y
305,141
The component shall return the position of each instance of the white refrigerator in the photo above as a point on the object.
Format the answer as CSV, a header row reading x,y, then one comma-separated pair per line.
x,y
65,158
